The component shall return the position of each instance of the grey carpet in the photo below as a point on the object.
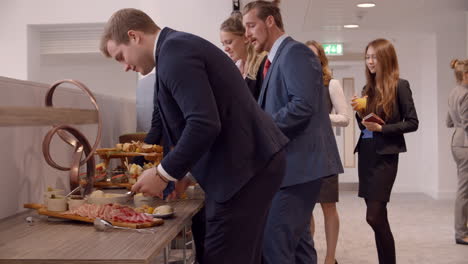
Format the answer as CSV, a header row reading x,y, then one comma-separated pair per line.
x,y
422,228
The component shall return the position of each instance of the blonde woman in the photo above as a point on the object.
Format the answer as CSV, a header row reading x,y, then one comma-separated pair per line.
x,y
458,118
328,196
241,51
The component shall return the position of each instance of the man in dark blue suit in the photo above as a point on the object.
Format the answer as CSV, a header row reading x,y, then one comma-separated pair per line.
x,y
213,126
294,95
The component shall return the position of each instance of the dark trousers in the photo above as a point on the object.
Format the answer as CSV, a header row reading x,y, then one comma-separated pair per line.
x,y
234,229
198,232
287,232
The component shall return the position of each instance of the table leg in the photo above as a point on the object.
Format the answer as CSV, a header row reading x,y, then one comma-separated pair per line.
x,y
184,250
166,255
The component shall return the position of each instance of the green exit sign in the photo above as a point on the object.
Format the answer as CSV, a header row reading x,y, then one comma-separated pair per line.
x,y
333,49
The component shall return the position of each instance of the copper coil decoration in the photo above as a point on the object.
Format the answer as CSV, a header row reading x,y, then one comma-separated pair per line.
x,y
77,140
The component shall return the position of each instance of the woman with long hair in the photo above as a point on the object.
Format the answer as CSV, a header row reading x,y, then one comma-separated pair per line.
x,y
380,143
458,118
328,196
242,52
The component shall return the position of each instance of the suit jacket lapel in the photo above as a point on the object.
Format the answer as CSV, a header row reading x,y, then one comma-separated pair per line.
x,y
273,66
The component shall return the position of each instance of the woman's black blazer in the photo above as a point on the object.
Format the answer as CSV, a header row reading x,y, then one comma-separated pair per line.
x,y
403,120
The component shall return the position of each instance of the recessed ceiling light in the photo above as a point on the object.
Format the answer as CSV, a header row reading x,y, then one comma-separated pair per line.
x,y
366,5
351,26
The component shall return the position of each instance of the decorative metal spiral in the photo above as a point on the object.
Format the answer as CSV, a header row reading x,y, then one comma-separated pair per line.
x,y
75,138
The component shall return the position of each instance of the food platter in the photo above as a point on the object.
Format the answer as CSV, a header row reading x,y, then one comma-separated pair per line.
x,y
42,210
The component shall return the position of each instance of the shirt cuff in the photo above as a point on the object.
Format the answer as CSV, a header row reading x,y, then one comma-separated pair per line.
x,y
163,173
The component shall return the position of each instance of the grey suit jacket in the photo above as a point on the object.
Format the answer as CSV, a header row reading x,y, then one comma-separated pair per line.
x,y
458,115
293,93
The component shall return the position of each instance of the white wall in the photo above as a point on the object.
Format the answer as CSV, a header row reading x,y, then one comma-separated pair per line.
x,y
101,75
200,17
20,53
428,153
451,43
15,15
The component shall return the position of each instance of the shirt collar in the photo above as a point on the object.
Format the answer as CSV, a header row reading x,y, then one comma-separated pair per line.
x,y
275,47
156,43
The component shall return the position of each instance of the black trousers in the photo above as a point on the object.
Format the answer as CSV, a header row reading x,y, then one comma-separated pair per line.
x,y
235,228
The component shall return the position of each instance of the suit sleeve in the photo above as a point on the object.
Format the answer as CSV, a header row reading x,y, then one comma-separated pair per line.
x,y
302,75
182,70
410,120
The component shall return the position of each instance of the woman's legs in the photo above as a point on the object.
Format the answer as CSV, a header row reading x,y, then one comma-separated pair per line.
x,y
377,218
332,228
461,202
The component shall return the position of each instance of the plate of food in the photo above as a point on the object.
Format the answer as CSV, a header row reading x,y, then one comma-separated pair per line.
x,y
163,212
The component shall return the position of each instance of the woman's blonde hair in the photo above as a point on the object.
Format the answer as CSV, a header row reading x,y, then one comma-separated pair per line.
x,y
234,26
327,74
381,87
459,67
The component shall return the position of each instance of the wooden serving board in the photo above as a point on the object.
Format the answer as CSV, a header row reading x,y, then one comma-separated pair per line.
x,y
41,209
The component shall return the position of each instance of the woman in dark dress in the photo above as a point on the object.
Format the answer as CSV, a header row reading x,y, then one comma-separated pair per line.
x,y
379,145
241,51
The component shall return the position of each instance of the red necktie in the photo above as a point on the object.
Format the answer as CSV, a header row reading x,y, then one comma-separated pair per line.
x,y
266,67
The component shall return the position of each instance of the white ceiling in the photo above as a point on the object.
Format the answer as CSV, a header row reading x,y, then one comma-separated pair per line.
x,y
395,15
323,20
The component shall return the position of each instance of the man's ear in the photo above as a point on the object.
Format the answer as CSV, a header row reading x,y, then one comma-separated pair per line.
x,y
270,21
133,35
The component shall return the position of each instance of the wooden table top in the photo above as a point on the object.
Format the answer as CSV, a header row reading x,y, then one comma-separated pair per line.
x,y
75,242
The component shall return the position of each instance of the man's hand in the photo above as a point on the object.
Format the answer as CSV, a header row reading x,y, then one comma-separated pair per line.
x,y
180,187
371,126
150,183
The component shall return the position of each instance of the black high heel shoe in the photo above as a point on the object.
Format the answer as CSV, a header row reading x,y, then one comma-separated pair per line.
x,y
460,241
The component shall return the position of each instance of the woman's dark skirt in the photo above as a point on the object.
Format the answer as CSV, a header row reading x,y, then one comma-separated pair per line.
x,y
377,172
329,190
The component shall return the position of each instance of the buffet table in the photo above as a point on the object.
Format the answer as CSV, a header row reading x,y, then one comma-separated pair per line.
x,y
72,242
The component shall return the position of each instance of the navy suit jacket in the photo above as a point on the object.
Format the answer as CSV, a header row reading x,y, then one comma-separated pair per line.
x,y
205,111
294,94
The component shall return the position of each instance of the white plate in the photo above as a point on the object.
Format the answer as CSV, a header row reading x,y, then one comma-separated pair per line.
x,y
164,216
